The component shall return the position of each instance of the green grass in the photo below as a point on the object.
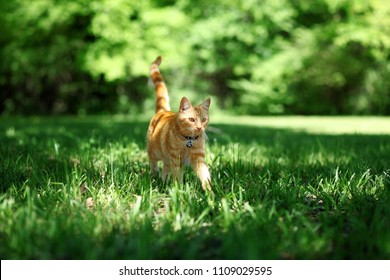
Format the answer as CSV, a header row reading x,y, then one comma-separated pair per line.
x,y
284,188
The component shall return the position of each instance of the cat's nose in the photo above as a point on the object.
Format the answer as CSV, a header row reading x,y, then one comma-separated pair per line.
x,y
198,127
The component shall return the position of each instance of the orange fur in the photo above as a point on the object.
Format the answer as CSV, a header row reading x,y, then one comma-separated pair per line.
x,y
178,138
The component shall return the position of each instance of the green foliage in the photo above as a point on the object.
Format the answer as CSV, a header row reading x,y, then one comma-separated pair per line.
x,y
319,59
258,57
129,34
284,188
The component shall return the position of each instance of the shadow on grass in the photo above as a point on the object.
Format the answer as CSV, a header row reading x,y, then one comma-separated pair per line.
x,y
297,145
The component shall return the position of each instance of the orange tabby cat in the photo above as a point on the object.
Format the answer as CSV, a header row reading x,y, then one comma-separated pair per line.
x,y
177,138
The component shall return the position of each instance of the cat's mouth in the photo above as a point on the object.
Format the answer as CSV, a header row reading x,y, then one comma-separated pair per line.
x,y
198,132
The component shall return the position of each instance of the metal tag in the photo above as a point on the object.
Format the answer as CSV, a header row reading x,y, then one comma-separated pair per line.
x,y
189,144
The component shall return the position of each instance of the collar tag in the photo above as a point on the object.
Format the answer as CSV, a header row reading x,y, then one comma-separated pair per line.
x,y
189,144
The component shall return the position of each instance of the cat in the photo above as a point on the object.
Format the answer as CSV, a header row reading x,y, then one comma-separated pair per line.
x,y
177,139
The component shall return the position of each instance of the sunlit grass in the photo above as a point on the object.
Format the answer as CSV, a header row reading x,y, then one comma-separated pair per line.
x,y
315,124
290,187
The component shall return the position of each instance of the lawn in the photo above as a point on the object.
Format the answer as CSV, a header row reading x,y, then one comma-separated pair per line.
x,y
283,188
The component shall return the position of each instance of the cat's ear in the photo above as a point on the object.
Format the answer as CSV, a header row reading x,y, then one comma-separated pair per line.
x,y
206,104
184,105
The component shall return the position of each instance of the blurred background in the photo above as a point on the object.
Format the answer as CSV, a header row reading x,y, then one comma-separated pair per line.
x,y
259,57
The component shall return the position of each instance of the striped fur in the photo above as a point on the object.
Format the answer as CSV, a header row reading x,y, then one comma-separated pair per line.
x,y
169,134
162,99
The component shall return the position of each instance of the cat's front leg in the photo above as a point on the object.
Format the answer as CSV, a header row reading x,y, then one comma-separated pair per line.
x,y
165,172
173,170
153,167
203,173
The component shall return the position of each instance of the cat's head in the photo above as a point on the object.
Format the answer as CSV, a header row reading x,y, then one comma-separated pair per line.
x,y
193,120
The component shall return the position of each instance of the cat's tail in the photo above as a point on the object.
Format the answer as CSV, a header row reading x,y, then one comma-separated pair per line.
x,y
162,99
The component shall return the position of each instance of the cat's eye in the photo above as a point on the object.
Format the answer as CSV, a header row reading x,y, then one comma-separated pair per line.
x,y
204,120
191,119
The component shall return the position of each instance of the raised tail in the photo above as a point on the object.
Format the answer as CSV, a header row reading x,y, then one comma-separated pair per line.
x,y
162,99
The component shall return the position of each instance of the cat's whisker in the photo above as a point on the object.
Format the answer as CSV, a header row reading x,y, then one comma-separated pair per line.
x,y
206,137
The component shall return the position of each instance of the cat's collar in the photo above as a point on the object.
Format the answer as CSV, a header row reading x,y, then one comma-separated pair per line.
x,y
189,142
191,137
